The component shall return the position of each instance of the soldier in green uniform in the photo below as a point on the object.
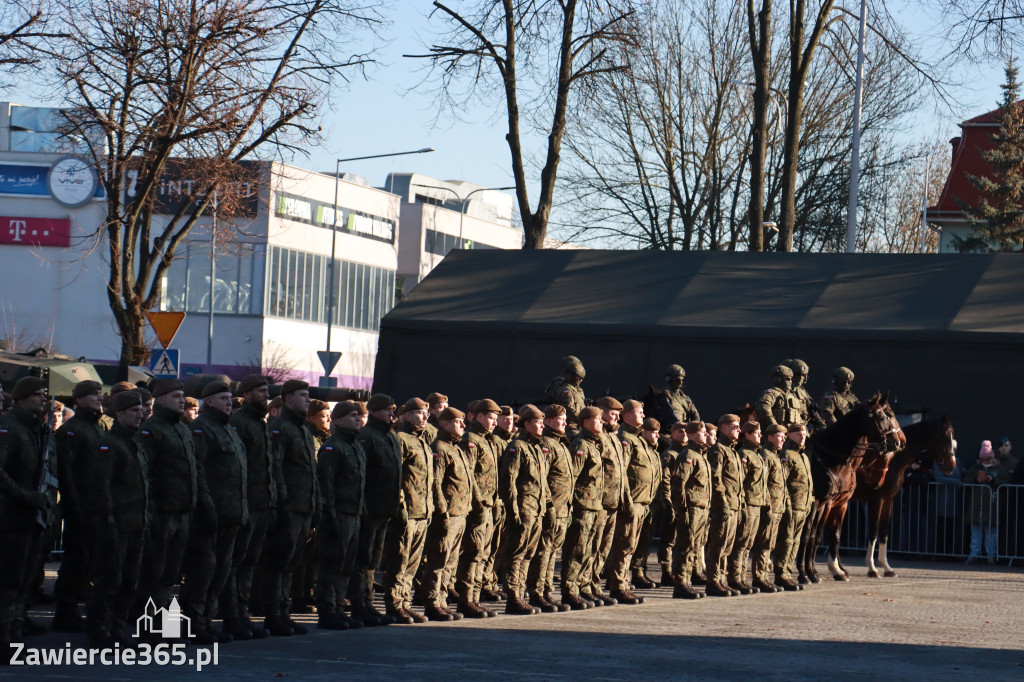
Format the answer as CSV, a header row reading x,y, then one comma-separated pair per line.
x,y
651,433
556,516
690,484
453,499
383,485
504,430
673,405
341,476
250,424
616,497
523,487
76,439
174,489
587,503
755,496
482,448
778,405
839,400
805,404
436,403
565,389
727,475
771,513
318,423
221,461
115,504
28,470
670,454
407,530
800,489
298,506
642,476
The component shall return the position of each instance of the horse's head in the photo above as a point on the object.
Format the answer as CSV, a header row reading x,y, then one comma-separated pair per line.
x,y
941,446
888,433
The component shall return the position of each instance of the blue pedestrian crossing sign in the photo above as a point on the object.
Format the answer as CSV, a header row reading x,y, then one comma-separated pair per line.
x,y
164,363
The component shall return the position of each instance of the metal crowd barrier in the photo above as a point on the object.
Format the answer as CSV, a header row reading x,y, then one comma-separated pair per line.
x,y
936,520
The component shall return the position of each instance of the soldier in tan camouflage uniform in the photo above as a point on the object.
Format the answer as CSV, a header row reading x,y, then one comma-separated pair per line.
x,y
727,476
656,514
483,450
616,497
800,489
672,403
777,405
565,389
453,498
771,513
690,481
804,402
540,579
504,430
840,399
755,496
588,493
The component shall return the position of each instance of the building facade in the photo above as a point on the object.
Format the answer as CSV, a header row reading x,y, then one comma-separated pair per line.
x,y
314,250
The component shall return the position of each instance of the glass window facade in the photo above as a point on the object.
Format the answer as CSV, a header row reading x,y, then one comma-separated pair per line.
x,y
238,280
440,243
298,288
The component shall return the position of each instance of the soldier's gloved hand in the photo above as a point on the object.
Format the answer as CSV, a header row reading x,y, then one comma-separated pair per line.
x,y
40,500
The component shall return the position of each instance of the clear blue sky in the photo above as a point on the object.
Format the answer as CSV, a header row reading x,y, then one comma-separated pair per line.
x,y
387,113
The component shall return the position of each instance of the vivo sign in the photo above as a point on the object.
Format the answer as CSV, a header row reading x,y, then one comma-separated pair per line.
x,y
35,231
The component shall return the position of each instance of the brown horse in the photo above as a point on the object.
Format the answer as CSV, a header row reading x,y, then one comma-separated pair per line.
x,y
836,453
931,440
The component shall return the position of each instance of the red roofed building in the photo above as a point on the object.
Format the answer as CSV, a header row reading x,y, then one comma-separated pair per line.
x,y
947,213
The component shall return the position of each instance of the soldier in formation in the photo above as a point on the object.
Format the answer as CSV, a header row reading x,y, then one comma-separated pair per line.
x,y
442,501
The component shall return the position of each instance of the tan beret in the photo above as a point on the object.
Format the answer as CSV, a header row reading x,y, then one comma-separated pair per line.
x,y
413,404
450,414
436,399
796,426
529,411
750,427
589,412
553,411
729,419
652,424
631,405
711,428
347,407
487,405
608,403
775,428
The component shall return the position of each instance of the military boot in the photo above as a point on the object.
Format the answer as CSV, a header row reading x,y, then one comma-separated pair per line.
x,y
683,590
550,597
605,599
237,629
700,579
624,597
516,606
331,621
400,616
666,576
258,631
278,626
416,617
575,601
470,609
642,582
716,589
436,613
765,586
538,600
297,628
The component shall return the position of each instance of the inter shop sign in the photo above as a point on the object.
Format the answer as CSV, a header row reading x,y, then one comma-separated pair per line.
x,y
35,231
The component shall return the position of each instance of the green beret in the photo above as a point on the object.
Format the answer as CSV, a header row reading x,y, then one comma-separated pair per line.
x,y
26,386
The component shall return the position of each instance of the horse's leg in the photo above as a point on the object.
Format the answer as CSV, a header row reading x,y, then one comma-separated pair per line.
x,y
833,526
874,509
885,525
815,542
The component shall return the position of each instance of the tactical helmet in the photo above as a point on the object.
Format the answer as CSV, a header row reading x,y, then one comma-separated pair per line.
x,y
842,374
572,365
675,371
798,366
782,371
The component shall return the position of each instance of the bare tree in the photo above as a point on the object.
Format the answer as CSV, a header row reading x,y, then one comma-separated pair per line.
x,y
984,27
759,30
197,88
24,28
545,51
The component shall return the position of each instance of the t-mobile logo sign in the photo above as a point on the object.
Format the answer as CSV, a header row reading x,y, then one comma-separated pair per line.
x,y
35,231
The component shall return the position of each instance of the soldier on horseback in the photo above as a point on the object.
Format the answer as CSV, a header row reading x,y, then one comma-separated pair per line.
x,y
838,401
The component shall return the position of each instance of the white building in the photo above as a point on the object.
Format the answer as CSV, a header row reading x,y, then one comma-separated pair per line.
x,y
272,278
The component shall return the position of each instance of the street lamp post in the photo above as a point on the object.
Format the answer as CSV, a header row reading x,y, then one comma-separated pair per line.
x,y
851,216
328,359
213,286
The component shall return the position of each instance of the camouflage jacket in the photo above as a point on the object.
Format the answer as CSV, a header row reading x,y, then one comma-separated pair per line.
x,y
174,480
77,438
643,465
417,494
798,476
453,477
295,448
341,477
778,497
221,459
383,467
691,479
755,477
484,451
560,472
567,394
523,483
588,470
119,472
727,475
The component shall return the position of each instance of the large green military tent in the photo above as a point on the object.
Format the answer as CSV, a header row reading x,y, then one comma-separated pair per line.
x,y
942,333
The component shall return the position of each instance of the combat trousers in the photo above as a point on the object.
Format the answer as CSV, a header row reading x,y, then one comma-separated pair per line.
x,y
476,551
339,542
444,538
691,534
165,544
721,537
603,539
248,550
497,550
628,525
75,570
21,551
764,543
284,551
654,519
788,544
577,552
372,533
541,577
115,578
665,522
208,562
746,532
403,550
521,540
